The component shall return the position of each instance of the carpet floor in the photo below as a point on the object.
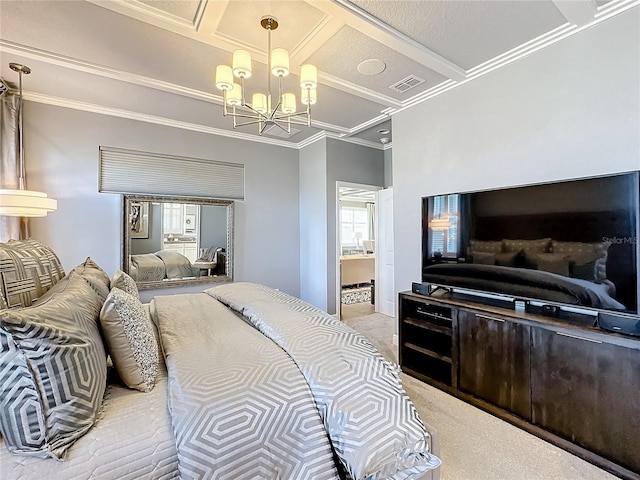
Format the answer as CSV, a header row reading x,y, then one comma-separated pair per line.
x,y
474,444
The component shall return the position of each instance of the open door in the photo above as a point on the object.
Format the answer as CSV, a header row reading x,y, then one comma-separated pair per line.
x,y
385,287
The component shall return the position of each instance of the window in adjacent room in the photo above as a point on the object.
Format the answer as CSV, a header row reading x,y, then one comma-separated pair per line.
x,y
354,224
443,223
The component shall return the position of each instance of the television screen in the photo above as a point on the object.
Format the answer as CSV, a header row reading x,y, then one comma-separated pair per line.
x,y
573,242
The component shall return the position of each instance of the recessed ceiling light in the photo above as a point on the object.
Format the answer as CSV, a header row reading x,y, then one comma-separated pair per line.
x,y
384,131
371,67
384,140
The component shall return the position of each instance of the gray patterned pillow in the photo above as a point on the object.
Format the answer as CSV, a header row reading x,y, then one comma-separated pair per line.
x,y
130,337
124,282
587,260
53,371
485,246
540,245
96,276
28,269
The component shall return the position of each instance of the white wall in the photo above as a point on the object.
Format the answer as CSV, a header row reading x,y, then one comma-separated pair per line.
x,y
568,111
61,154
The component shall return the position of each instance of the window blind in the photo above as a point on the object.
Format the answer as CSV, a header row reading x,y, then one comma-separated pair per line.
x,y
142,173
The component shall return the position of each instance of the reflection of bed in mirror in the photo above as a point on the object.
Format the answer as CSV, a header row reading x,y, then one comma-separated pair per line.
x,y
189,240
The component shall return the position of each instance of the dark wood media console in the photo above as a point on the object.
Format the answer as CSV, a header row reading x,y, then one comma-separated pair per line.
x,y
559,377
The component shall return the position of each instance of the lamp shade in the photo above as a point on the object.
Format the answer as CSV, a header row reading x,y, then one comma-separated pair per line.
x,y
279,62
224,77
234,96
288,103
309,76
242,64
26,203
259,102
308,96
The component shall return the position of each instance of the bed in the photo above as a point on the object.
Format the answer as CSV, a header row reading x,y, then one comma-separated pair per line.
x,y
163,264
238,381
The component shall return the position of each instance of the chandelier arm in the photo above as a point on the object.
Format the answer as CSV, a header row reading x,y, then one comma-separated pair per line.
x,y
268,69
253,122
224,103
257,113
261,118
284,116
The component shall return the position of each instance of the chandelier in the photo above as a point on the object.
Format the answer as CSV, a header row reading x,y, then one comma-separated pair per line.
x,y
261,110
22,202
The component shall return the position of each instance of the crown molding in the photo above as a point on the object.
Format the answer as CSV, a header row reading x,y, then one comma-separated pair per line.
x,y
155,119
194,127
106,72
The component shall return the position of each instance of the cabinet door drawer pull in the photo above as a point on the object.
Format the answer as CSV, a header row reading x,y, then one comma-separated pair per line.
x,y
579,338
495,319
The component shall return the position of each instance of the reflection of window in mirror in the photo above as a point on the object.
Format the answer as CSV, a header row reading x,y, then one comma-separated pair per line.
x,y
180,223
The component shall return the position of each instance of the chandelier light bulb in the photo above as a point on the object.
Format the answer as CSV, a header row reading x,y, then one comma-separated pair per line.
x,y
224,77
234,96
309,76
259,102
288,103
242,64
279,62
308,96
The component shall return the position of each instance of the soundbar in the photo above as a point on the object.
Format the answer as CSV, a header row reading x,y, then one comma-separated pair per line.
x,y
627,324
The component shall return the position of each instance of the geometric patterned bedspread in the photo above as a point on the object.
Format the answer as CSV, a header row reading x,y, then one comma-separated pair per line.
x,y
239,406
374,427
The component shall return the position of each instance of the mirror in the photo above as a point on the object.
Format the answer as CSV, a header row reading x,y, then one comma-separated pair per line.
x,y
172,241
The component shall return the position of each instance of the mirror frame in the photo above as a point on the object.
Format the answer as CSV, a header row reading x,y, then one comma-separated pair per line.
x,y
125,239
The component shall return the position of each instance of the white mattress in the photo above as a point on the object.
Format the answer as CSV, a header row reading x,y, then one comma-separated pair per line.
x,y
133,439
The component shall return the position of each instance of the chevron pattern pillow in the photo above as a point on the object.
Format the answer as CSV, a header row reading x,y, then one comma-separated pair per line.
x,y
52,370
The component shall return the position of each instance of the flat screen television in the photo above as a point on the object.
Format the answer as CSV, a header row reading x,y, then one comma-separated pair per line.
x,y
570,243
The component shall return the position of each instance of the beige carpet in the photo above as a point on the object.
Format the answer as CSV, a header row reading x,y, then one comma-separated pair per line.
x,y
475,445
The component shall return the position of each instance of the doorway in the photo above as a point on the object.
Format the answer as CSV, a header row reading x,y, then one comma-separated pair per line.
x,y
356,249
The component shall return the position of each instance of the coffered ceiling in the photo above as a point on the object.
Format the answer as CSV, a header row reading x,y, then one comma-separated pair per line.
x,y
154,60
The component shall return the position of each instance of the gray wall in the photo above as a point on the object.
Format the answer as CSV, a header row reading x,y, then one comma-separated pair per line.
x,y
62,160
346,162
313,224
388,168
154,242
213,230
322,164
570,110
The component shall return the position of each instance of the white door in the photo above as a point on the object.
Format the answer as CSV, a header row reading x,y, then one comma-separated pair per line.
x,y
385,289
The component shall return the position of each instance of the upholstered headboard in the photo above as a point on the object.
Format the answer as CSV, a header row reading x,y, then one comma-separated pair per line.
x,y
574,227
28,269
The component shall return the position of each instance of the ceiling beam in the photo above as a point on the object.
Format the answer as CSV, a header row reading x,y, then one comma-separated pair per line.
x,y
366,23
577,13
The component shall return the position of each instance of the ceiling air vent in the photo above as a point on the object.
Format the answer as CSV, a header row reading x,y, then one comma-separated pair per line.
x,y
407,84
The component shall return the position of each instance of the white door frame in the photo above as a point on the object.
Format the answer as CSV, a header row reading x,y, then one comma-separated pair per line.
x,y
338,249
